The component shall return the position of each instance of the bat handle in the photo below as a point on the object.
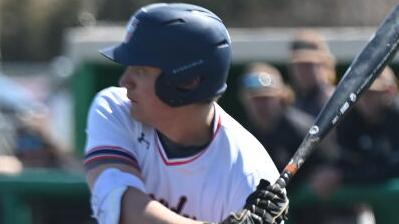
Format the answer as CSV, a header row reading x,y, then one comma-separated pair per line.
x,y
284,178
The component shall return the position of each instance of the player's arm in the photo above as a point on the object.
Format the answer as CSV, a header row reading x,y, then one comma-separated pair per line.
x,y
136,206
264,206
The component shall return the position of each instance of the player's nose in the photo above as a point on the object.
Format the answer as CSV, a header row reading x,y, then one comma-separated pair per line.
x,y
125,81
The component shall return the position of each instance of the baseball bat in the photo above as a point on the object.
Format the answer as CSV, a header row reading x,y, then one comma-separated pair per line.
x,y
363,70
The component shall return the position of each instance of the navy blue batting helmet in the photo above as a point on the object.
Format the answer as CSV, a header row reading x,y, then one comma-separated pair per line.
x,y
186,42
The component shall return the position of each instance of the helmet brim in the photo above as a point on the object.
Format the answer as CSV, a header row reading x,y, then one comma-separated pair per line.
x,y
118,54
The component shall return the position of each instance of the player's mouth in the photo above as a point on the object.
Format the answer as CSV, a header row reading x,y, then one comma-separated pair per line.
x,y
131,99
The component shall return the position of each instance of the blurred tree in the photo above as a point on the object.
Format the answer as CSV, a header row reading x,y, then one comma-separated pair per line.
x,y
32,29
256,13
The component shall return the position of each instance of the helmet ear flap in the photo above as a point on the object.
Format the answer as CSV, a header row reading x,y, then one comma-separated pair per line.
x,y
178,90
189,85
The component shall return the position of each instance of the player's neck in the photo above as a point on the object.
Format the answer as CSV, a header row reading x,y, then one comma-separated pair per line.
x,y
191,125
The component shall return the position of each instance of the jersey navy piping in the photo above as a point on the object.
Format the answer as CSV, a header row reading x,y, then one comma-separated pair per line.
x,y
182,161
108,153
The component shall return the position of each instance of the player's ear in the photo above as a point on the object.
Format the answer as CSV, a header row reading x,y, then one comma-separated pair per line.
x,y
189,85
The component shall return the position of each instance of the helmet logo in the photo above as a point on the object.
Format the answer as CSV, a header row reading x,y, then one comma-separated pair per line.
x,y
130,28
187,66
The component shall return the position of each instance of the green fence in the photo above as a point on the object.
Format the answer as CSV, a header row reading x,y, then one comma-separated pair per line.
x,y
43,196
382,198
56,196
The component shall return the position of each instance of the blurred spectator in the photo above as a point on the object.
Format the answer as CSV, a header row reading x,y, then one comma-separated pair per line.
x,y
15,98
369,134
267,100
369,140
278,126
24,130
7,135
9,165
312,71
35,148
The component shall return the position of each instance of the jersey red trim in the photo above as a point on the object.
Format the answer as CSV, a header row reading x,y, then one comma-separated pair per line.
x,y
110,152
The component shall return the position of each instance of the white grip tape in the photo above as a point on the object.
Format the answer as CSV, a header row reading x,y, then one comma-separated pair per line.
x,y
106,198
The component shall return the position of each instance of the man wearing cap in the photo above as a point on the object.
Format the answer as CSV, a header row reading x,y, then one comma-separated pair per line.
x,y
312,71
278,126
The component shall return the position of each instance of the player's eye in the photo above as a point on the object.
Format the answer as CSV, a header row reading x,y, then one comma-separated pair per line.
x,y
133,70
139,71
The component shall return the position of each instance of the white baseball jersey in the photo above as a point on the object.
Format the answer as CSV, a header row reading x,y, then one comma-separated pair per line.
x,y
207,186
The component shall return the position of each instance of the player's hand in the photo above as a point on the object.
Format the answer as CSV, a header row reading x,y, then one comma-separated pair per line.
x,y
266,205
269,202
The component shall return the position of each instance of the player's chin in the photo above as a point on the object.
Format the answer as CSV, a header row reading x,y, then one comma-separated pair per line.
x,y
138,115
135,113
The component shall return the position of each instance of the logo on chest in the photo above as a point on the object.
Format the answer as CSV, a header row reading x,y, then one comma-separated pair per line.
x,y
178,208
142,140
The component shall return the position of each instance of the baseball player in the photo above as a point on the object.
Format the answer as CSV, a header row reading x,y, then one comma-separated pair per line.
x,y
159,148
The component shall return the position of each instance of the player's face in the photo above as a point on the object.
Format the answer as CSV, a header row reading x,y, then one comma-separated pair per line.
x,y
140,84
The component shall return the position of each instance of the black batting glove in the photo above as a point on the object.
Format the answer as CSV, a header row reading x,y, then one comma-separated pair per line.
x,y
269,202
